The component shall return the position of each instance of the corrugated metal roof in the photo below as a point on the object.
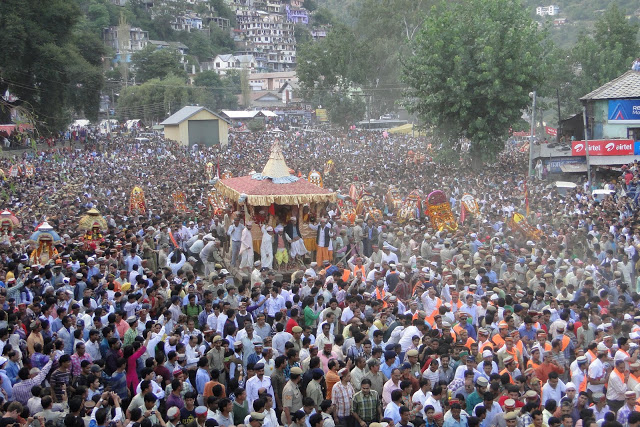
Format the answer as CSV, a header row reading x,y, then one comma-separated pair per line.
x,y
625,86
185,112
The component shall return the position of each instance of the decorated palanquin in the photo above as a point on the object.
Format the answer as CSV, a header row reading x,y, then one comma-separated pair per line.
x,y
215,202
137,202
179,201
7,222
209,170
411,207
315,178
93,224
393,198
329,167
348,211
470,204
44,239
439,212
367,208
29,170
518,224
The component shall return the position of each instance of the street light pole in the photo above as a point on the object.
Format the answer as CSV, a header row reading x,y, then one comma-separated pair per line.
x,y
533,121
586,143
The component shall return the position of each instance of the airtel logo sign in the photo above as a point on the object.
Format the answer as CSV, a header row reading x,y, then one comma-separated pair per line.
x,y
610,146
578,147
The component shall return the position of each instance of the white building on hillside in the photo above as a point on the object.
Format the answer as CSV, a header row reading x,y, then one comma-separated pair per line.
x,y
547,10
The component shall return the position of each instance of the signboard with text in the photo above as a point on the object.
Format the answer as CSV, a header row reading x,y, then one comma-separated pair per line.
x,y
551,131
604,147
624,111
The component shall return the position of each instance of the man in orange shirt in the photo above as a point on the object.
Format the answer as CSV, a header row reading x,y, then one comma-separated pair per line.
x,y
549,364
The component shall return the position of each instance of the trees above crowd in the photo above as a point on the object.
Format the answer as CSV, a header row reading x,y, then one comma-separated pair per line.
x,y
49,62
157,98
471,71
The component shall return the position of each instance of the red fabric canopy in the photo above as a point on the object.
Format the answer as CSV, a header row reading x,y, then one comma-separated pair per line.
x,y
264,192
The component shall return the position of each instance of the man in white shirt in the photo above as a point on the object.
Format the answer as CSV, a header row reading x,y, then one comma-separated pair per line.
x,y
597,373
274,304
411,331
492,408
553,389
258,381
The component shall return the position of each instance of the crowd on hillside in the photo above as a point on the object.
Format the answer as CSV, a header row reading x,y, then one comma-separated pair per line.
x,y
388,323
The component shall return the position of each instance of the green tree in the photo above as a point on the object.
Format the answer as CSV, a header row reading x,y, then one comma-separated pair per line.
x,y
221,9
344,110
302,34
474,65
150,63
155,99
322,16
218,93
335,63
198,43
310,5
42,64
221,41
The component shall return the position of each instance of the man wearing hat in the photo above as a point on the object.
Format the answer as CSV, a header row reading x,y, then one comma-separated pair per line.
x,y
596,374
291,395
257,382
628,407
173,416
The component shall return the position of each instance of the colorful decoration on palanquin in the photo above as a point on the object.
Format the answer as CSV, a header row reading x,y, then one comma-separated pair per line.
x,y
366,207
329,167
411,206
15,171
226,175
215,201
469,205
315,178
93,224
44,239
179,201
518,224
210,171
393,198
29,170
7,222
137,202
439,212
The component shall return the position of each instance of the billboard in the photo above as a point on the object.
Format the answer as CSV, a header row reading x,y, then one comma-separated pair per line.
x,y
321,115
604,147
624,111
560,165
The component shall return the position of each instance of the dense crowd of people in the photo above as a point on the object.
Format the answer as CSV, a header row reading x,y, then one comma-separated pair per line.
x,y
389,323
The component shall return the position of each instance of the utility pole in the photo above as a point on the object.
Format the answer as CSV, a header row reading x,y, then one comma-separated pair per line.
x,y
533,121
586,143
559,116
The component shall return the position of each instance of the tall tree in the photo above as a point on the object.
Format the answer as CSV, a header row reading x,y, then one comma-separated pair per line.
x,y
217,93
473,67
43,63
151,63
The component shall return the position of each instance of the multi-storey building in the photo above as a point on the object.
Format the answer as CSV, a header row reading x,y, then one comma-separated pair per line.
x,y
268,35
125,44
